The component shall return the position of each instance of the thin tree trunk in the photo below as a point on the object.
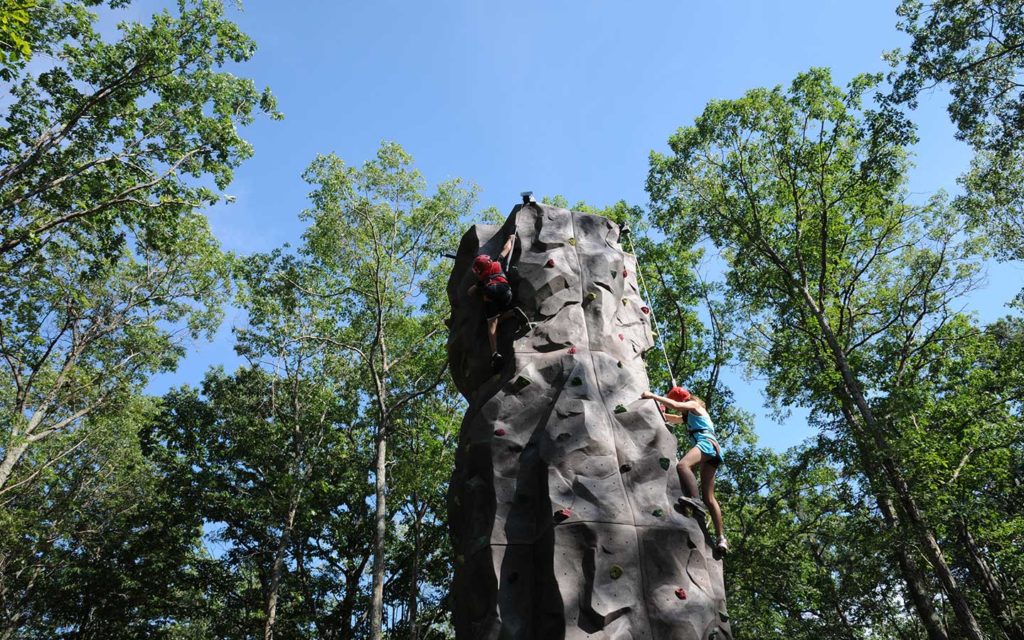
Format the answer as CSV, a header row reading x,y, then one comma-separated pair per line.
x,y
995,597
11,457
377,596
414,580
276,571
929,545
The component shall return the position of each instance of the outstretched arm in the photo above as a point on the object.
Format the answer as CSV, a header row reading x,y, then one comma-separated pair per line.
x,y
508,246
688,405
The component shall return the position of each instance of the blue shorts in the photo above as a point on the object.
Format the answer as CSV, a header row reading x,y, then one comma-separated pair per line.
x,y
708,444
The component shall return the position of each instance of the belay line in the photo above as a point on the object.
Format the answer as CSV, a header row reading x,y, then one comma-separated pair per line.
x,y
650,301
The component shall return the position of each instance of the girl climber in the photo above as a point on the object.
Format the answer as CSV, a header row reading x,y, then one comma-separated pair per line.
x,y
492,285
706,452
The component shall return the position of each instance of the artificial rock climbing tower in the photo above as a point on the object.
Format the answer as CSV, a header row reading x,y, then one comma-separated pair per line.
x,y
562,500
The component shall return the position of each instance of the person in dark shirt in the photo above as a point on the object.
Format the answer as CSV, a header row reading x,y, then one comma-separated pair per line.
x,y
492,285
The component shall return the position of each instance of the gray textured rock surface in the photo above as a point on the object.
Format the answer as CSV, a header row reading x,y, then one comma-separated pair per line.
x,y
561,504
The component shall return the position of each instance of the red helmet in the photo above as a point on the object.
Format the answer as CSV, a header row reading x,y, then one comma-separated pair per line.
x,y
482,262
679,394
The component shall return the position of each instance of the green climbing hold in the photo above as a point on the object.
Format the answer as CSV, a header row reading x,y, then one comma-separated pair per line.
x,y
664,462
621,409
572,241
658,513
522,382
577,381
625,301
615,572
591,296
654,333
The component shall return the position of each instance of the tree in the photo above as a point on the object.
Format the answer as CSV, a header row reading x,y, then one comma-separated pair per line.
x,y
845,286
376,239
102,161
976,49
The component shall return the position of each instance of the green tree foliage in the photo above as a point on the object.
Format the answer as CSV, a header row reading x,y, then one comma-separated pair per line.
x,y
976,49
848,292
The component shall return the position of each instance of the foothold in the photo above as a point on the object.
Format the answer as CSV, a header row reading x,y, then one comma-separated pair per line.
x,y
625,301
620,364
625,273
615,572
577,381
658,513
645,309
622,336
550,263
591,296
664,462
562,515
572,241
681,593
522,382
620,409
572,350
626,468
499,432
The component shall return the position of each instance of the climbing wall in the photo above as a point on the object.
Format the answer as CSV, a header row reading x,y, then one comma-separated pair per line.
x,y
562,503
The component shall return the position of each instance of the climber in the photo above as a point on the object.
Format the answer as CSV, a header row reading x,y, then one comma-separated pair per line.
x,y
493,287
706,452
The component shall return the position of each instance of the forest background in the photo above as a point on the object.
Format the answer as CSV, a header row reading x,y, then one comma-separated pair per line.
x,y
225,408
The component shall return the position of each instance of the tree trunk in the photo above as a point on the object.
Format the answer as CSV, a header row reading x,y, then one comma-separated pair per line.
x,y
414,579
276,571
995,597
11,457
918,591
926,539
377,597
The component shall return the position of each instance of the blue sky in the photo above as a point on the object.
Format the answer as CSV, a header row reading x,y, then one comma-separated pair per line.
x,y
558,97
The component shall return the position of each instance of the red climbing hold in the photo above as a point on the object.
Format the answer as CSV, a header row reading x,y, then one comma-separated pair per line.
x,y
624,273
551,263
572,349
645,309
562,514
499,432
681,593
622,336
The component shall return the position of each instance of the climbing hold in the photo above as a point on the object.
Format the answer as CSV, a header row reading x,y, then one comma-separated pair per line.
x,y
572,241
626,468
550,263
681,593
591,296
723,616
654,333
620,409
624,273
615,572
625,301
572,350
620,364
499,432
577,381
664,462
645,309
562,515
657,513
522,382
622,336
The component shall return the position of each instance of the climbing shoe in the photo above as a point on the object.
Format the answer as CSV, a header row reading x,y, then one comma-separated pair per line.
x,y
496,361
722,545
693,503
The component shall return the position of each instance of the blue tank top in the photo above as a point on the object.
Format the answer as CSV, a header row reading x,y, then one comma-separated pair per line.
x,y
696,422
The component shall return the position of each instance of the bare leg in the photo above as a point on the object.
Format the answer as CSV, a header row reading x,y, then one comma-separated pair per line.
x,y
492,333
707,486
685,470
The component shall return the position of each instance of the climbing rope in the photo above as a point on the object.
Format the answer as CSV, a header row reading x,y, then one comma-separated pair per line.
x,y
650,301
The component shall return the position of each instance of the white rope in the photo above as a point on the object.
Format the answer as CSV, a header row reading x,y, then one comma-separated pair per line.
x,y
650,301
